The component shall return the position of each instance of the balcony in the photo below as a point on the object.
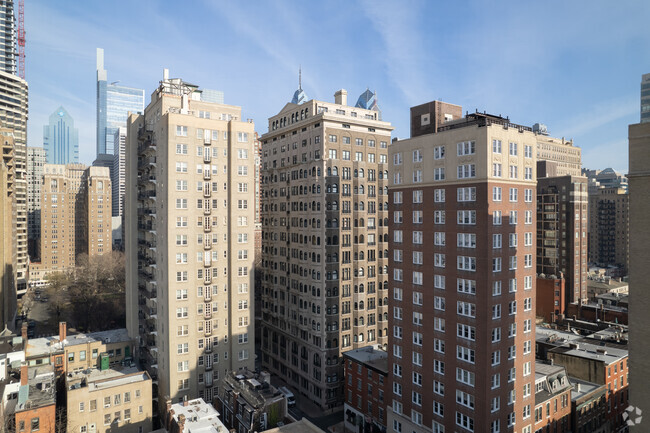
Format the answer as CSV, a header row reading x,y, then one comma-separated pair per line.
x,y
207,175
207,158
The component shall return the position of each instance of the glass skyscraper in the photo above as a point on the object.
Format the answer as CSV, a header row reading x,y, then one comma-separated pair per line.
x,y
8,47
61,138
113,104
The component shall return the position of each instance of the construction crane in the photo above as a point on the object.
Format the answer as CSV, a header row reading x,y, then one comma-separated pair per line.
x,y
20,31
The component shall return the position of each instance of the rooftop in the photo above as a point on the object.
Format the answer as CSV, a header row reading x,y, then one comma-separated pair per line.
x,y
581,388
557,337
200,417
607,355
254,388
51,344
482,120
606,283
302,426
370,356
40,389
97,380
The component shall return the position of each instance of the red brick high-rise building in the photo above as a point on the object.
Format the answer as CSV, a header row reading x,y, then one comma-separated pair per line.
x,y
462,281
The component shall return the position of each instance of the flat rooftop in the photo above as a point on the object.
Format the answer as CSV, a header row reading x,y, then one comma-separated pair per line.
x,y
96,380
302,426
556,337
607,355
200,417
583,387
40,389
51,344
370,356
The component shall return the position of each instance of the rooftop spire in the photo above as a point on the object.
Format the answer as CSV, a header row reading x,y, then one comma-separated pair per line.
x,y
300,77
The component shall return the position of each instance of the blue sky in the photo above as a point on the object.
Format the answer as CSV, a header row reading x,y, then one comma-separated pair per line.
x,y
574,65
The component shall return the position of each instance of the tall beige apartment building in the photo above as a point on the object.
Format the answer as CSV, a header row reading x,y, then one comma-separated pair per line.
x,y
75,214
13,115
324,240
462,282
639,305
8,230
567,156
189,232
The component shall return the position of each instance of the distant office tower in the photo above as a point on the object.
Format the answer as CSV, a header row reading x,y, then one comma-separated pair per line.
x,y
189,240
118,173
607,178
114,102
13,115
8,47
324,244
462,287
75,214
645,98
567,156
639,271
8,230
61,138
562,224
35,163
609,228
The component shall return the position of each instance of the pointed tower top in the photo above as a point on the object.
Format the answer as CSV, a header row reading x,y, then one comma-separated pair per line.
x,y
300,77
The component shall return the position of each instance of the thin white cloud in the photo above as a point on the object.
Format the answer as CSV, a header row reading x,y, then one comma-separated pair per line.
x,y
600,115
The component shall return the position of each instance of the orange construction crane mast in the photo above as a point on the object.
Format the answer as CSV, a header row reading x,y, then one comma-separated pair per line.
x,y
21,38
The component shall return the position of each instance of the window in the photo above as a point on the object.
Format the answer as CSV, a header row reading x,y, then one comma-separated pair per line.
x,y
439,217
496,146
496,170
528,173
514,172
439,152
417,176
513,194
417,155
466,309
439,238
528,151
397,159
466,332
496,218
181,167
463,240
528,195
417,196
466,171
417,237
496,311
439,303
496,288
439,173
465,263
466,148
464,376
439,260
466,194
181,131
496,193
496,241
466,286
397,197
513,149
466,217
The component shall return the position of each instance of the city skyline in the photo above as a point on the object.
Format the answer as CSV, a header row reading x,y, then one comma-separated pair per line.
x,y
579,93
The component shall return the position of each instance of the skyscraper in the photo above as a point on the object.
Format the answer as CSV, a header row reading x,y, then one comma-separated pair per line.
x,y
324,242
639,320
35,163
114,102
8,46
8,230
462,282
13,115
119,170
61,138
189,216
645,98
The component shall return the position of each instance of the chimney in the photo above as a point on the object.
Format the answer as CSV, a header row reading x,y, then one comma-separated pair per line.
x,y
181,423
63,331
24,333
185,401
165,74
23,374
341,97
